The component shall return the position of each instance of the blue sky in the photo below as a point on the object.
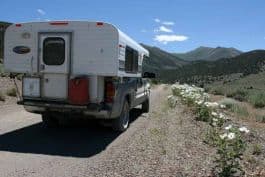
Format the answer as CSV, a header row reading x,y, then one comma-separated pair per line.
x,y
173,25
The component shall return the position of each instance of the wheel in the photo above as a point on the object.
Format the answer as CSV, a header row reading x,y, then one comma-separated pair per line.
x,y
122,122
49,121
145,106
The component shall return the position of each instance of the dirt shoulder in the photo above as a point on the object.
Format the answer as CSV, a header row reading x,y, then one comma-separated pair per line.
x,y
166,142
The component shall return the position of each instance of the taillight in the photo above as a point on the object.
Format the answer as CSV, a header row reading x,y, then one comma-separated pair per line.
x,y
109,92
99,23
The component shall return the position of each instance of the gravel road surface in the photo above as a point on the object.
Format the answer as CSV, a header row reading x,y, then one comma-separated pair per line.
x,y
164,142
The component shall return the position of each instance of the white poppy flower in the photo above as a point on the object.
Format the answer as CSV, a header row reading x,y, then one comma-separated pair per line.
x,y
223,136
214,114
222,106
221,116
215,120
231,135
244,129
228,127
200,102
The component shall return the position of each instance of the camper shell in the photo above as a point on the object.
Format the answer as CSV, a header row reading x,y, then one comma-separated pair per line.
x,y
73,66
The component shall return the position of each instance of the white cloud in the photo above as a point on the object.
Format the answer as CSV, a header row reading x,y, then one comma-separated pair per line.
x,y
163,29
170,38
41,12
143,30
168,23
157,20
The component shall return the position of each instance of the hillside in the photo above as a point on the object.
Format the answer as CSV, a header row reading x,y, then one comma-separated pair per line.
x,y
3,26
209,54
241,88
160,61
247,63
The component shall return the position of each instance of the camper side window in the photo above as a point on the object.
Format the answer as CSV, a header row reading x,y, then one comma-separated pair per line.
x,y
53,51
131,60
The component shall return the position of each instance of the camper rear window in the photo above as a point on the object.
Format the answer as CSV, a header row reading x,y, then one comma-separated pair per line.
x,y
53,51
131,60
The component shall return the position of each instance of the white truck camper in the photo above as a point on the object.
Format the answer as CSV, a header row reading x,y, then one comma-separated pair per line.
x,y
90,69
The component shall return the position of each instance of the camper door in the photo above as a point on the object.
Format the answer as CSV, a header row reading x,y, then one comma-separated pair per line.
x,y
54,59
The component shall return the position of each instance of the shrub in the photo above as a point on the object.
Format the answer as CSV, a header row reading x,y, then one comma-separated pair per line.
x,y
217,91
203,113
2,96
230,148
230,94
240,95
11,92
189,101
154,81
258,100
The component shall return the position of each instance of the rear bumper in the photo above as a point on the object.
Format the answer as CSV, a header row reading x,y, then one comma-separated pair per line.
x,y
94,110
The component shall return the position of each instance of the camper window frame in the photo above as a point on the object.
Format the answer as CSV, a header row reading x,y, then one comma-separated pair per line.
x,y
43,54
132,66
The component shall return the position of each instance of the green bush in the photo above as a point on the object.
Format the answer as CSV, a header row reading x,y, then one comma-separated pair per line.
x,y
217,91
239,94
11,92
229,153
189,102
154,81
258,100
203,113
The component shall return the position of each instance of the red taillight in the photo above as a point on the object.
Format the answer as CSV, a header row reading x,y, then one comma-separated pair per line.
x,y
99,23
58,23
78,92
109,92
18,25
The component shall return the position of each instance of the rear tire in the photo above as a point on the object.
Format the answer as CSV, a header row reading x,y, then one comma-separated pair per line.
x,y
49,121
145,106
122,122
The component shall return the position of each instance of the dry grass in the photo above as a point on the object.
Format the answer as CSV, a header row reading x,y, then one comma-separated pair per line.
x,y
241,110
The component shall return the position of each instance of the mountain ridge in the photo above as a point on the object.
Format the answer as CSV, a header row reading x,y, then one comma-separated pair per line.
x,y
209,53
161,60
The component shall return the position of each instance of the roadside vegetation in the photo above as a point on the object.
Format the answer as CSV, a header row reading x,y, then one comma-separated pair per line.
x,y
230,138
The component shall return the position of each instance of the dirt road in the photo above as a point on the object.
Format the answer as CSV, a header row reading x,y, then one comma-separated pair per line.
x,y
162,143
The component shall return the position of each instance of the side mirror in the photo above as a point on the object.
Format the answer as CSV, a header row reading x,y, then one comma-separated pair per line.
x,y
149,75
